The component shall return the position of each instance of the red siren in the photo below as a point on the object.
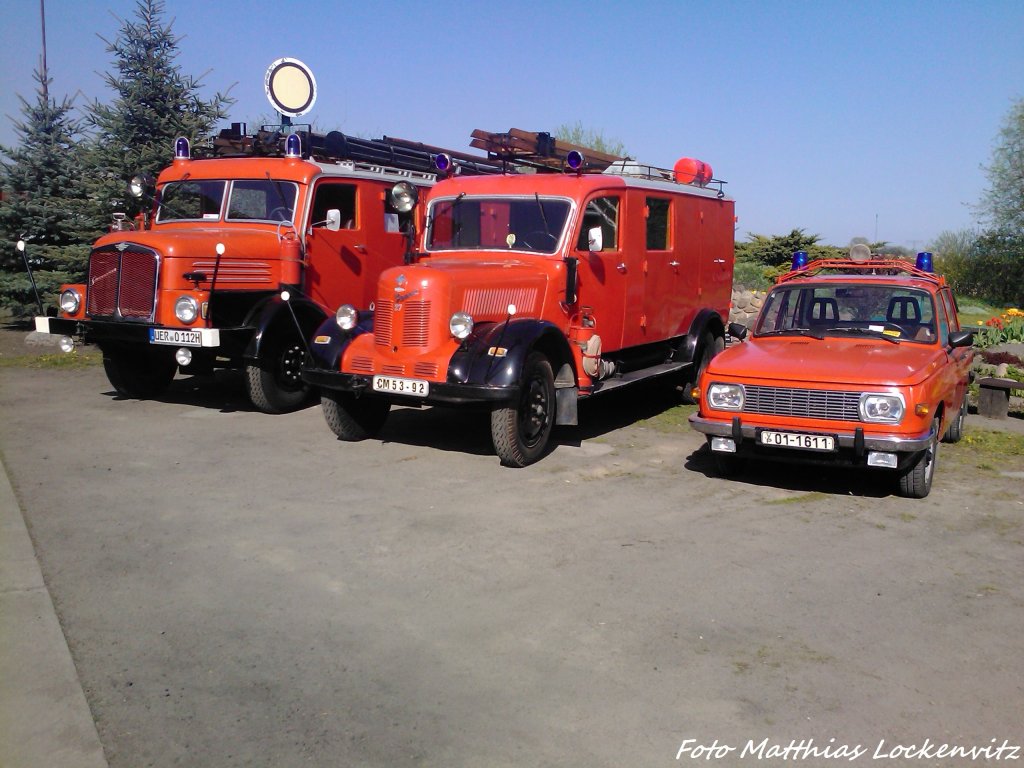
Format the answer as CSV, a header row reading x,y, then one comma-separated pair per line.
x,y
690,171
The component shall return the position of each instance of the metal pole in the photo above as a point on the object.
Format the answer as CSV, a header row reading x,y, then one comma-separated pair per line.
x,y
21,246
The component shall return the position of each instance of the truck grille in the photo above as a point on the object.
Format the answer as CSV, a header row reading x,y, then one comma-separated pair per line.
x,y
834,405
412,328
122,284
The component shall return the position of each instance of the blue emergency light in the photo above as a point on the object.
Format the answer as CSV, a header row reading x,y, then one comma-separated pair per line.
x,y
443,163
182,151
293,146
799,259
924,261
574,160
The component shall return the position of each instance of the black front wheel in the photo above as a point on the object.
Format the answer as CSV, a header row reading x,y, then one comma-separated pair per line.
x,y
274,382
139,371
353,418
520,433
916,480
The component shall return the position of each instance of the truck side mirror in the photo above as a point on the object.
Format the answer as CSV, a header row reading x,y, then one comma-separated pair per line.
x,y
333,221
961,339
738,331
595,239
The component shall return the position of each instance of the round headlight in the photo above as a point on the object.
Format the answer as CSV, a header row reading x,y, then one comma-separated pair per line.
x,y
403,197
186,309
140,185
346,317
725,397
70,301
461,325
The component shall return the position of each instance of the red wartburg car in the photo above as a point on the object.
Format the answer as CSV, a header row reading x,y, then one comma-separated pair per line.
x,y
857,363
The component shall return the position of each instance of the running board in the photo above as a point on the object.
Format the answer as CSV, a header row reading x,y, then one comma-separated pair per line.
x,y
632,377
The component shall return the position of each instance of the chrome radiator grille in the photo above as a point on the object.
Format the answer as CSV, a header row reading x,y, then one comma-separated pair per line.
x,y
835,405
122,283
408,327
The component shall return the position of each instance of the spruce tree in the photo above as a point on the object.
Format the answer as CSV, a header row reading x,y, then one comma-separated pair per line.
x,y
154,104
45,203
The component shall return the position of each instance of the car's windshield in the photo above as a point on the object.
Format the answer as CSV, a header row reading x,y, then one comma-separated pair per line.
x,y
895,312
497,223
248,200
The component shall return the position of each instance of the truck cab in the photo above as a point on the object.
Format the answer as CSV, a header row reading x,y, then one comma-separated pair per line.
x,y
240,256
530,292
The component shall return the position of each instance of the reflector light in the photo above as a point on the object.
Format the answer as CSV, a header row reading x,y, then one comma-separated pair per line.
x,y
182,151
293,146
690,171
799,259
575,160
924,261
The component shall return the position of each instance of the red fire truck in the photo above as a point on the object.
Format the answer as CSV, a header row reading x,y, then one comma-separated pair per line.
x,y
196,283
532,291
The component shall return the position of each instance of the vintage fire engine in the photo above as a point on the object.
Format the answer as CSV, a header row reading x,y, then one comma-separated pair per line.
x,y
197,283
532,291
858,362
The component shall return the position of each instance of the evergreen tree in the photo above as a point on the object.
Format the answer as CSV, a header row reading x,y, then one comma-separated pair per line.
x,y
45,203
154,104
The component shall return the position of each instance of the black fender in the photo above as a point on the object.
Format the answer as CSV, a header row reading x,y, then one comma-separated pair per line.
x,y
329,342
471,363
688,349
274,312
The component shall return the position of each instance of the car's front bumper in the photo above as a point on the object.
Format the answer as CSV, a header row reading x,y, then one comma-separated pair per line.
x,y
440,393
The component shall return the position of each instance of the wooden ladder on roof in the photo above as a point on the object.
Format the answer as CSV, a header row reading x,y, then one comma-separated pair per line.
x,y
538,150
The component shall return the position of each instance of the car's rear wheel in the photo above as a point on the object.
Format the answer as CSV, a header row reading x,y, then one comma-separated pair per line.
x,y
955,430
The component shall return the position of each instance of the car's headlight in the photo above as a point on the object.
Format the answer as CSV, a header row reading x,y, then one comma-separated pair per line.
x,y
70,301
346,317
726,397
461,325
887,409
186,309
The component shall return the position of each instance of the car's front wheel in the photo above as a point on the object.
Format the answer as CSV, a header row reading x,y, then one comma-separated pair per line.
x,y
916,480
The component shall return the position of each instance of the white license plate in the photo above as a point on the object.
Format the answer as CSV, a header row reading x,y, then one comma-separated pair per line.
x,y
176,336
394,385
798,440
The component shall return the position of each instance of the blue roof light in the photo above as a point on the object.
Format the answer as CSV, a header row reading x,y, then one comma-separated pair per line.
x,y
574,160
443,163
182,151
924,261
799,259
293,146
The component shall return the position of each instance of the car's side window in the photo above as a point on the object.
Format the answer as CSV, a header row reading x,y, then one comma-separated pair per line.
x,y
601,212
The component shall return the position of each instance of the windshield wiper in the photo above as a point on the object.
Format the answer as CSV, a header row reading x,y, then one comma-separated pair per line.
x,y
867,331
814,334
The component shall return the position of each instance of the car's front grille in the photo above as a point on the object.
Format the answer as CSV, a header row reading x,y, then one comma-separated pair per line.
x,y
835,405
413,325
122,283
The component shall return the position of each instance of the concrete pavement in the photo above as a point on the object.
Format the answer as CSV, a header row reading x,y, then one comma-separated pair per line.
x,y
44,718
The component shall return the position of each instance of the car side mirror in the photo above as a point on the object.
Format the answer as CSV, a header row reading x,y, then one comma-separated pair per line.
x,y
738,331
960,339
333,221
595,239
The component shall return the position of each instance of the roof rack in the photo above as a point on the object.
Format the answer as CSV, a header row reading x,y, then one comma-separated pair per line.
x,y
538,150
269,141
884,266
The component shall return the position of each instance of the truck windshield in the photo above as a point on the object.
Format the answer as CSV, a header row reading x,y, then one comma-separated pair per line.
x,y
895,312
248,200
533,224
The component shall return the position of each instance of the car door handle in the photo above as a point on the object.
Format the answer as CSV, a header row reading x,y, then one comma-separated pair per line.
x,y
719,261
621,267
673,263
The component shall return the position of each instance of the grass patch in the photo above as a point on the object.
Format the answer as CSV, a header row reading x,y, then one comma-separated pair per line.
x,y
73,360
986,446
673,420
800,499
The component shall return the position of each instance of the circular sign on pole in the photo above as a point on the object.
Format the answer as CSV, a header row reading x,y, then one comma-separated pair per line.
x,y
290,87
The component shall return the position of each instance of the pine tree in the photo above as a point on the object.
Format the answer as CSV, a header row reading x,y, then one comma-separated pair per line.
x,y
45,202
154,104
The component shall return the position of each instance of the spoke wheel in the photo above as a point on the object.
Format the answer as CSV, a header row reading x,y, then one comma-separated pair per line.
x,y
520,433
274,382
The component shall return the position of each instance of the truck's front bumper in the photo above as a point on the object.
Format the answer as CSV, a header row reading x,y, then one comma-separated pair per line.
x,y
99,331
439,394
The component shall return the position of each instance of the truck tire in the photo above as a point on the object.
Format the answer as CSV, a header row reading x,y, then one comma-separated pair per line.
x,y
353,419
916,480
274,382
520,433
138,371
955,430
710,346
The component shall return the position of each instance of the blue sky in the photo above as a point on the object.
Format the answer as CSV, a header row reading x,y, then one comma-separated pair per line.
x,y
845,119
